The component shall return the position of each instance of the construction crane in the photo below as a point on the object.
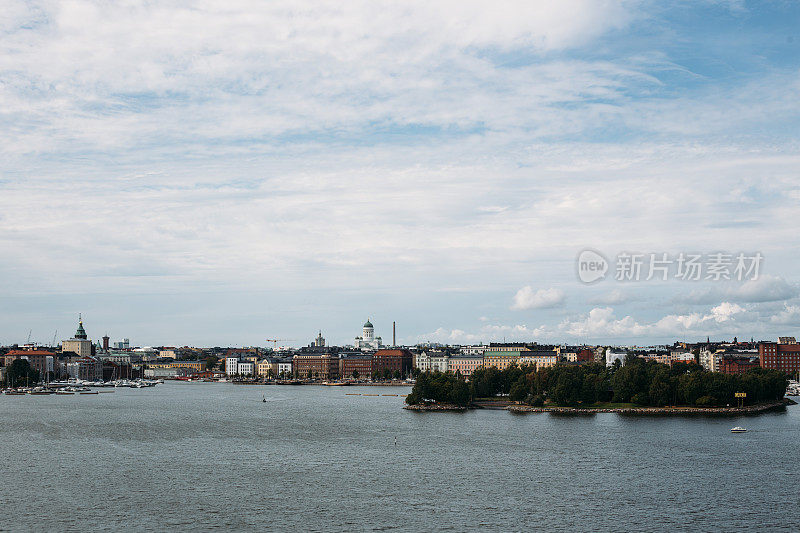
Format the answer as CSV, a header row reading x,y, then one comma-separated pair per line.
x,y
276,341
54,339
29,336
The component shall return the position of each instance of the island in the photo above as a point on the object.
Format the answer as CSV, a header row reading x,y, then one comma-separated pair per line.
x,y
638,386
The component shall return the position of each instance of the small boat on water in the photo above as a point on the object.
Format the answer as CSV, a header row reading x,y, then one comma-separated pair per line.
x,y
264,399
738,429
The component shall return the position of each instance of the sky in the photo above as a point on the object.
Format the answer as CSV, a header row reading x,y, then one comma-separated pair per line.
x,y
224,172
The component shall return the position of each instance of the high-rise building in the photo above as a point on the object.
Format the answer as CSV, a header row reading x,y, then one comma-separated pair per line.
x,y
319,342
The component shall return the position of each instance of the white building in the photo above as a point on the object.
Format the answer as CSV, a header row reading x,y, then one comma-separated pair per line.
x,y
612,356
246,368
472,350
231,366
368,340
432,361
284,368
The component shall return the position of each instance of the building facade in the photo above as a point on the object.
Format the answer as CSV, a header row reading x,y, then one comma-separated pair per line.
x,y
432,361
780,356
392,360
465,364
40,360
316,366
541,358
355,366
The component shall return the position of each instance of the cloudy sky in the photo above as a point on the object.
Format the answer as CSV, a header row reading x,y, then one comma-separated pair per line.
x,y
222,172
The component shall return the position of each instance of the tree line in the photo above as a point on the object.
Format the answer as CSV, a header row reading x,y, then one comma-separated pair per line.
x,y
639,381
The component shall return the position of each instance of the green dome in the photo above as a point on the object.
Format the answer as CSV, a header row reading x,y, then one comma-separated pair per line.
x,y
368,324
81,333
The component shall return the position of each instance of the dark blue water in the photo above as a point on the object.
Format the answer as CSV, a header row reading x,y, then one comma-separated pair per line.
x,y
201,456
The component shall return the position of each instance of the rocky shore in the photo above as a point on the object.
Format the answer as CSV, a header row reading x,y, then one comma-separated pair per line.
x,y
749,410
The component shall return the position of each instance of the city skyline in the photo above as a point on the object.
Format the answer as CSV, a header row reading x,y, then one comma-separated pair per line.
x,y
438,167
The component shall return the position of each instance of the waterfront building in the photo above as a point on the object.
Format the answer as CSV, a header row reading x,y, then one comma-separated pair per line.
x,y
541,358
232,365
316,365
465,364
398,360
79,344
359,363
784,356
368,340
246,368
266,367
285,367
86,368
432,360
196,366
122,358
41,360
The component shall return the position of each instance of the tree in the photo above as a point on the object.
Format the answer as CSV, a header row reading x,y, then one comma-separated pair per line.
x,y
355,374
396,374
21,373
211,362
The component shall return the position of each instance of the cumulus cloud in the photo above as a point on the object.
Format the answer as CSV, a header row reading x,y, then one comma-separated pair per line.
x,y
528,298
789,316
603,323
767,288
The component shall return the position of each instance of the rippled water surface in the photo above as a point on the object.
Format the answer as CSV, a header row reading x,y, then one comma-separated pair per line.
x,y
200,456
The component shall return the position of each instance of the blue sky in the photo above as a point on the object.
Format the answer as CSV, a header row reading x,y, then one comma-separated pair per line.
x,y
224,172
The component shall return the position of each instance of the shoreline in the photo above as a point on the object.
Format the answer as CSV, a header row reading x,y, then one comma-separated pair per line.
x,y
749,410
650,411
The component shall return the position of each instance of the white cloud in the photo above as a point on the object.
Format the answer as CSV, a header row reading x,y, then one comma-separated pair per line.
x,y
528,298
789,316
613,297
766,288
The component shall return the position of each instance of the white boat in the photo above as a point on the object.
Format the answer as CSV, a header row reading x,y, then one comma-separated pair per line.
x,y
738,429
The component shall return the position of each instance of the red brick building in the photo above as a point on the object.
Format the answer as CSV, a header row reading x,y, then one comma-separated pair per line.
x,y
355,363
320,365
41,360
780,356
393,360
736,365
